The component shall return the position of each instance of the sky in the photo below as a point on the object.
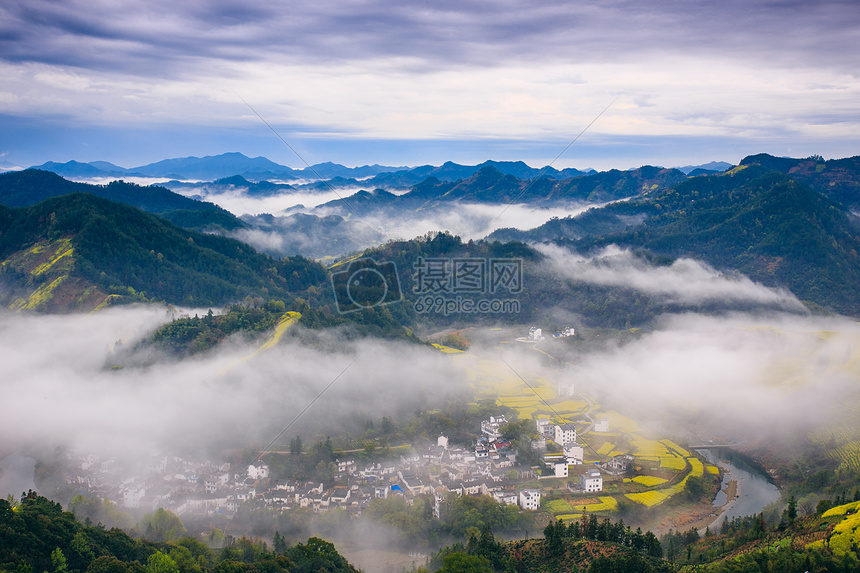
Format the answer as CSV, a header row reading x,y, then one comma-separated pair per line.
x,y
624,83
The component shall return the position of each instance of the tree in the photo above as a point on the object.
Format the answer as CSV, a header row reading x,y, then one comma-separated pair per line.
x,y
279,544
791,510
58,561
317,555
158,562
296,446
465,563
163,525
108,564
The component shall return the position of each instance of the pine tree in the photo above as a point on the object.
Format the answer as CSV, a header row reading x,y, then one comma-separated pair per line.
x,y
279,544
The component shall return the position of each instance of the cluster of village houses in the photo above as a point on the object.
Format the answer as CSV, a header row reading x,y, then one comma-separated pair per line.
x,y
204,487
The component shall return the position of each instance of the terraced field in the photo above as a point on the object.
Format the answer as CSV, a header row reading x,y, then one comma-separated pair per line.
x,y
672,463
842,439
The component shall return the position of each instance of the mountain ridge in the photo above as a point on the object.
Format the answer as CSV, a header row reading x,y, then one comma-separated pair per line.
x,y
120,250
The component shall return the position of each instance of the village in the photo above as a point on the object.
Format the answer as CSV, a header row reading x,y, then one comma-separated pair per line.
x,y
204,487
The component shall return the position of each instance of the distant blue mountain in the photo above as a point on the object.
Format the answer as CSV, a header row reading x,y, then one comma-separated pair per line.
x,y
211,168
256,169
711,167
77,170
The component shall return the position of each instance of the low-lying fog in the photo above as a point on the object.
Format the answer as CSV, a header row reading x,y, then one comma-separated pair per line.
x,y
737,375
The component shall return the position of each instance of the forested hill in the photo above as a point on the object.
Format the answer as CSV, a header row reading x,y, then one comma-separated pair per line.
x,y
37,535
771,227
28,187
836,179
767,225
76,251
490,186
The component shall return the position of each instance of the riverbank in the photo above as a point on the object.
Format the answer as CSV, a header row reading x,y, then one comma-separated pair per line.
x,y
714,520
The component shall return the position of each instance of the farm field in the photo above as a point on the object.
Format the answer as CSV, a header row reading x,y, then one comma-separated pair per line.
x,y
661,466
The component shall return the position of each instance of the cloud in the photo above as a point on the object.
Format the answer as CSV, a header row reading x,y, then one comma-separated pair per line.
x,y
695,377
434,35
684,281
239,202
57,376
770,379
478,72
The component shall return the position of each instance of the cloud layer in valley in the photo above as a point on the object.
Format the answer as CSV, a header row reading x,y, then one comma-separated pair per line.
x,y
683,281
740,373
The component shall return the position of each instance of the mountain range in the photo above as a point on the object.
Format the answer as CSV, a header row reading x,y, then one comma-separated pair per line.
x,y
258,169
30,186
783,222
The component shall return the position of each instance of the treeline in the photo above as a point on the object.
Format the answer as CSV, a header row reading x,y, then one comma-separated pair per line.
x,y
765,224
543,289
563,549
197,334
36,535
125,250
588,527
30,186
461,517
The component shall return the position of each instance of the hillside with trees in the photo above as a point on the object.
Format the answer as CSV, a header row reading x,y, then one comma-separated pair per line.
x,y
122,251
37,535
31,186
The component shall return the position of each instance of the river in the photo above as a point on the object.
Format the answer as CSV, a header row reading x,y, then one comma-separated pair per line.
x,y
755,489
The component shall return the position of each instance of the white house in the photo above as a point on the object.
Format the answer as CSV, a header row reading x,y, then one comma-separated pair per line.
x,y
601,425
258,470
530,499
381,491
565,332
592,480
438,503
573,453
211,483
505,497
132,495
442,442
566,390
560,468
346,466
544,427
490,428
619,464
565,433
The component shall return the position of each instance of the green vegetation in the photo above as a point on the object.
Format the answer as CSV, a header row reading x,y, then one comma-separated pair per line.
x,y
127,252
31,186
37,535
192,335
770,227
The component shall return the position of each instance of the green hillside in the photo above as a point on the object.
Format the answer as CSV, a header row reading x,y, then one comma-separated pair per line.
x,y
37,535
80,243
771,227
28,187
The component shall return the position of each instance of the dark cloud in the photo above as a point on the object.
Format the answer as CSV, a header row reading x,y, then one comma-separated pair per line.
x,y
145,36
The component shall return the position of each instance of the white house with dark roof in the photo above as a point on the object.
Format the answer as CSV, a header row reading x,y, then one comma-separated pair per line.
x,y
592,480
530,499
258,470
564,433
573,453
